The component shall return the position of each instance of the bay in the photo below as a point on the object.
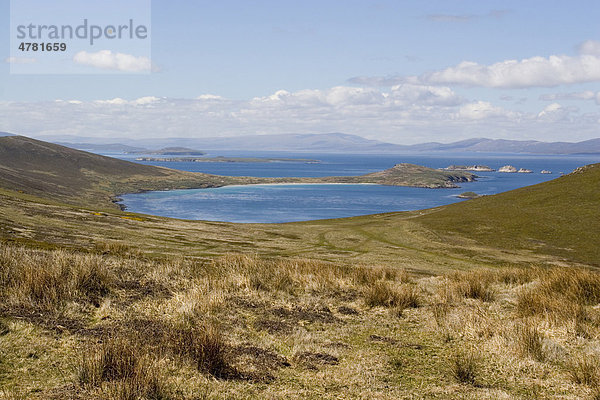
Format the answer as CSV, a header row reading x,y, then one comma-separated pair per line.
x,y
288,203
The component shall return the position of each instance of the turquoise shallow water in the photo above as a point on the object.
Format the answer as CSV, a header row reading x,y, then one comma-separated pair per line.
x,y
287,203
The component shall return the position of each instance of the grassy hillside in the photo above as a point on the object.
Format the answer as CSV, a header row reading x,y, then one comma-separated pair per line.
x,y
559,217
63,174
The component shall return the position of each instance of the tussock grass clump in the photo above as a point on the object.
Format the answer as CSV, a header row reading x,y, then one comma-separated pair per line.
x,y
204,344
295,276
385,294
286,275
585,370
116,248
530,341
47,279
516,276
367,276
561,293
380,293
464,367
474,285
123,371
407,296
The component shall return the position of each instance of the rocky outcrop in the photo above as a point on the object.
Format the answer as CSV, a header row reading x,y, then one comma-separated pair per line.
x,y
524,171
507,168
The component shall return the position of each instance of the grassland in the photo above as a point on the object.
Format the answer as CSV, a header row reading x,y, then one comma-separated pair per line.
x,y
120,326
495,297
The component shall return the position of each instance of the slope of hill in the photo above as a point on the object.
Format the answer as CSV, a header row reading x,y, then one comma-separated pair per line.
x,y
52,171
558,217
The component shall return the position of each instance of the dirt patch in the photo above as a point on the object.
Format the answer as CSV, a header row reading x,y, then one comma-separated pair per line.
x,y
337,345
316,313
344,310
3,329
283,320
249,304
256,363
392,341
274,326
136,290
312,360
383,339
46,319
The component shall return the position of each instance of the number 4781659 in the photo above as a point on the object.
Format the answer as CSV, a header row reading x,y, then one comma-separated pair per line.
x,y
24,46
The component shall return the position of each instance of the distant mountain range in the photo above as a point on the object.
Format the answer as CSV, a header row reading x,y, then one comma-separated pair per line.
x,y
327,142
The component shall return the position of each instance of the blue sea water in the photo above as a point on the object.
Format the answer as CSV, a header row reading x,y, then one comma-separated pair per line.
x,y
287,203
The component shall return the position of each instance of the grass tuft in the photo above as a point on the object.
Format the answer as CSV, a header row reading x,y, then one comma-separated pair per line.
x,y
123,371
465,367
585,370
530,341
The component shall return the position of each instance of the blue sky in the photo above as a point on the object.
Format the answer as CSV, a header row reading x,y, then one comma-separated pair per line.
x,y
388,70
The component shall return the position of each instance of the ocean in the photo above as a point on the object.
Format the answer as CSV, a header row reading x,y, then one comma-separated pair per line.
x,y
288,203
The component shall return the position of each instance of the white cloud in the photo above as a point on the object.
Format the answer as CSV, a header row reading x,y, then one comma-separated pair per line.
x,y
115,101
146,100
423,94
530,72
553,112
106,59
591,47
20,60
482,110
406,113
343,96
585,95
210,97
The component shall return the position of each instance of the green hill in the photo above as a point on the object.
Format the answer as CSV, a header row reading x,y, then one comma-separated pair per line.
x,y
559,217
77,177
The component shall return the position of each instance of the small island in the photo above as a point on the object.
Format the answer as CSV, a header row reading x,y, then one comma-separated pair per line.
x,y
221,159
474,168
170,151
468,195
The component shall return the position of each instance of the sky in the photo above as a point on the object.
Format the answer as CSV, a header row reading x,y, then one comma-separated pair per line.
x,y
401,71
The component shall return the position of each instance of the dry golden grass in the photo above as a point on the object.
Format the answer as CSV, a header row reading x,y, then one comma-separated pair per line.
x,y
464,367
242,326
585,370
560,292
530,340
48,280
121,370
